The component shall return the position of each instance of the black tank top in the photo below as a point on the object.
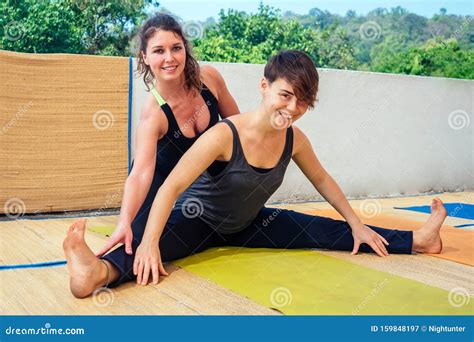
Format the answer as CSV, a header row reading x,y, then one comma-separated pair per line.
x,y
230,201
170,149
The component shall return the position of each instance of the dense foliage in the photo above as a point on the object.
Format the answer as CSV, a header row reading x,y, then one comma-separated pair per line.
x,y
71,26
394,40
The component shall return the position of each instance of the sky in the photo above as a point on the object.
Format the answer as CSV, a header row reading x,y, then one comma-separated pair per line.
x,y
201,10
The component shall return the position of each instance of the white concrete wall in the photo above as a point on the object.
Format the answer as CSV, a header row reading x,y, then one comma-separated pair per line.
x,y
377,134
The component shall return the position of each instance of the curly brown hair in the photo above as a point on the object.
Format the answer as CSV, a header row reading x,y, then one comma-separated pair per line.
x,y
163,21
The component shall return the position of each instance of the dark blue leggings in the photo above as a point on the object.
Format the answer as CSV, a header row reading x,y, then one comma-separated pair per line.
x,y
272,228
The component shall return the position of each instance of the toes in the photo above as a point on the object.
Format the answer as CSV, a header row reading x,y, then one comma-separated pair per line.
x,y
78,226
73,227
437,205
440,206
439,202
75,224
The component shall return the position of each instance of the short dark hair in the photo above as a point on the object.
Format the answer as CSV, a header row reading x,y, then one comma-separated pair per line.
x,y
297,68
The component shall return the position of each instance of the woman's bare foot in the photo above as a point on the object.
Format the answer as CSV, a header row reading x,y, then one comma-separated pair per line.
x,y
427,239
86,271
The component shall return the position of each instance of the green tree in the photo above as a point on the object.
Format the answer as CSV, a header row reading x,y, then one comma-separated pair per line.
x,y
253,38
71,26
435,58
39,26
322,19
384,40
394,32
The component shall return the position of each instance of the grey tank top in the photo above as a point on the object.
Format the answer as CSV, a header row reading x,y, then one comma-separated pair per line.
x,y
230,200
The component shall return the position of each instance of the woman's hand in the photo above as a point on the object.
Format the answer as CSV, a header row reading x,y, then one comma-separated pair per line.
x,y
363,234
122,234
148,258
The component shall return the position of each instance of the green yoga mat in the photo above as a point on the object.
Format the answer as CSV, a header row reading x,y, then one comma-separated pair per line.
x,y
304,282
104,230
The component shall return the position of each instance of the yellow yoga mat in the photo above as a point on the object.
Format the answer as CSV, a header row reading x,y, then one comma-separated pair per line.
x,y
307,282
104,230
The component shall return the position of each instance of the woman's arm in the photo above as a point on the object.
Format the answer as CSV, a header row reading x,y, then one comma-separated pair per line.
x,y
140,178
210,146
306,159
226,103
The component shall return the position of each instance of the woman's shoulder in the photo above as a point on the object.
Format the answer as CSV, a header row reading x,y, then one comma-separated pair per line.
x,y
212,78
222,129
300,140
298,134
150,108
152,114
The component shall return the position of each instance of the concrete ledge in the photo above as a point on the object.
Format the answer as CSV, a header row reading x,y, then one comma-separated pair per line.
x,y
378,135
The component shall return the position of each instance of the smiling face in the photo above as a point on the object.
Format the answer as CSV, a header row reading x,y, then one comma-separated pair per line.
x,y
280,103
166,55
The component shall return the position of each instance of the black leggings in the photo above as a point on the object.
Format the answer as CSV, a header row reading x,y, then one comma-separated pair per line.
x,y
272,228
